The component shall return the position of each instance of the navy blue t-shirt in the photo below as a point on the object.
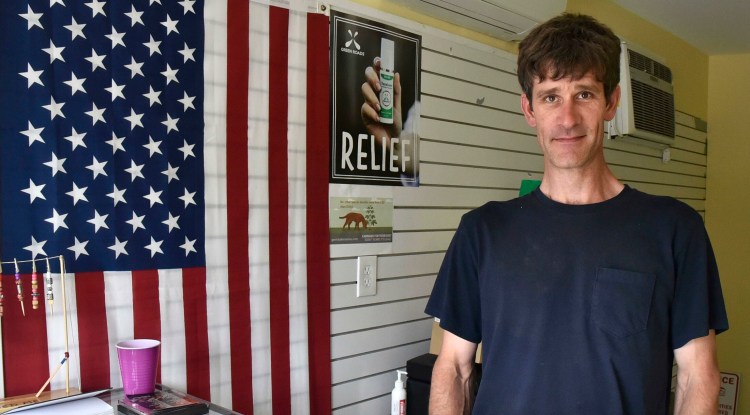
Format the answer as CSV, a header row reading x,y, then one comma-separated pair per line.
x,y
579,307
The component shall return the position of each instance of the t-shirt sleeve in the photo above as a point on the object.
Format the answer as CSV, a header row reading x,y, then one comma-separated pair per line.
x,y
698,304
455,295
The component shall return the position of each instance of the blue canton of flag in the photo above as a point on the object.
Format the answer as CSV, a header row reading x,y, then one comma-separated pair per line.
x,y
101,133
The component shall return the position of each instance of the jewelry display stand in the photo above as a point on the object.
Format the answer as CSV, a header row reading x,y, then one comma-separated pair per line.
x,y
14,402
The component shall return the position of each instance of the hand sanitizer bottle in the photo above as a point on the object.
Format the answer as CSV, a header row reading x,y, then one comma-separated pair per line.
x,y
398,395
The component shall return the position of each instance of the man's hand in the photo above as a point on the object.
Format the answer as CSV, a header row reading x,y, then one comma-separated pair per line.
x,y
371,106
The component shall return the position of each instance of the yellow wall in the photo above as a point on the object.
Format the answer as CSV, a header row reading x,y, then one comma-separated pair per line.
x,y
728,205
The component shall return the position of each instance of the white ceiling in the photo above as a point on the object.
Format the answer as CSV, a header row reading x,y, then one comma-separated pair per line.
x,y
717,27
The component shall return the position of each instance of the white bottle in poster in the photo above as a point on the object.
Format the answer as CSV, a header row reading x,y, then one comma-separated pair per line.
x,y
386,81
398,395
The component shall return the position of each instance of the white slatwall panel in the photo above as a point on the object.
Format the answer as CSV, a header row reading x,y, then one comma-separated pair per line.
x,y
475,147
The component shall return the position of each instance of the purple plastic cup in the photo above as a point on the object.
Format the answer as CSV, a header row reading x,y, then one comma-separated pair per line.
x,y
138,360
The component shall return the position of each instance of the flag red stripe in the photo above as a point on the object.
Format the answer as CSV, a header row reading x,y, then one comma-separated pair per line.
x,y
318,267
278,201
146,310
24,338
196,332
238,61
93,341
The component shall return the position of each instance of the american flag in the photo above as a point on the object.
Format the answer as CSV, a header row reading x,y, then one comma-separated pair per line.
x,y
124,126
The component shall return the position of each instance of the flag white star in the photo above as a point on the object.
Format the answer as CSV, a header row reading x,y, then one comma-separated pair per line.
x,y
188,198
118,247
153,147
34,134
98,221
135,68
153,96
36,248
135,171
136,222
115,90
116,143
79,247
34,191
32,76
134,119
76,138
153,196
152,45
117,195
56,165
96,114
154,247
135,16
187,150
57,220
171,173
97,7
97,167
187,53
150,2
171,25
116,38
97,61
54,52
78,194
187,6
75,84
32,19
170,74
54,108
76,29
186,101
171,124
189,246
53,2
171,222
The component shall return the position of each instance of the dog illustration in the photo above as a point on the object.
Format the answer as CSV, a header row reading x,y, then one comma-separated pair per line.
x,y
355,217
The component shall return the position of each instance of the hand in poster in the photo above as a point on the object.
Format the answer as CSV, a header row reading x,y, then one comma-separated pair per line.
x,y
371,106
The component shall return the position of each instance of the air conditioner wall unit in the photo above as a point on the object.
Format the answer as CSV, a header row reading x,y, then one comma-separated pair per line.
x,y
503,19
646,112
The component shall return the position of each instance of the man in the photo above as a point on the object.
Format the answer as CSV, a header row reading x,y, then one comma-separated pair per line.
x,y
583,291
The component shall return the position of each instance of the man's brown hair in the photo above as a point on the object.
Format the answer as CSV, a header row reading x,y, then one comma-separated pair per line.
x,y
569,45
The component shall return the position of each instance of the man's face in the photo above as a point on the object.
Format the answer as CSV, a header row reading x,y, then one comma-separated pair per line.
x,y
568,116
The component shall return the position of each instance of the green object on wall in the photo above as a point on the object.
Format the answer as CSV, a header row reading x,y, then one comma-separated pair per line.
x,y
527,186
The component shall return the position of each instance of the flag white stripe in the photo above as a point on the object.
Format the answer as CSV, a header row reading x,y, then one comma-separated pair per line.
x,y
172,306
258,226
217,288
297,134
118,297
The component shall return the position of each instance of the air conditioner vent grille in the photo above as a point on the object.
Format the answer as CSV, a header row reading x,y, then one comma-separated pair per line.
x,y
650,66
653,109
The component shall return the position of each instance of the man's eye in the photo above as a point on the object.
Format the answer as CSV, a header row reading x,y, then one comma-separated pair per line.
x,y
549,98
586,95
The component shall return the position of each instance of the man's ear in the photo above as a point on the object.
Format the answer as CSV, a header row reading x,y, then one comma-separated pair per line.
x,y
528,111
612,104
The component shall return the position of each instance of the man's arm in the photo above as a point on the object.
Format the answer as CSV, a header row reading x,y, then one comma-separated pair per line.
x,y
697,377
450,391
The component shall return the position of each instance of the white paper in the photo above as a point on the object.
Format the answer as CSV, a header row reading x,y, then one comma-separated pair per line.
x,y
88,406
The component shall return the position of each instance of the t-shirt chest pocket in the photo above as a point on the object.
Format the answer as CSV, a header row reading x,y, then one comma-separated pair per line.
x,y
622,301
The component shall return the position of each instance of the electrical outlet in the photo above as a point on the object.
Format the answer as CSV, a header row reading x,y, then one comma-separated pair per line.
x,y
367,275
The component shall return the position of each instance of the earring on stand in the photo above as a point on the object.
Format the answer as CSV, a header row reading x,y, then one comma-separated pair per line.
x,y
48,281
19,288
34,287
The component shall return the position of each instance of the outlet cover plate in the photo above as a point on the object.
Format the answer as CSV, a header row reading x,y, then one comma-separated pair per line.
x,y
367,275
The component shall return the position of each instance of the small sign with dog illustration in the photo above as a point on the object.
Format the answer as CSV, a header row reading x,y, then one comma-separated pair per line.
x,y
357,220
